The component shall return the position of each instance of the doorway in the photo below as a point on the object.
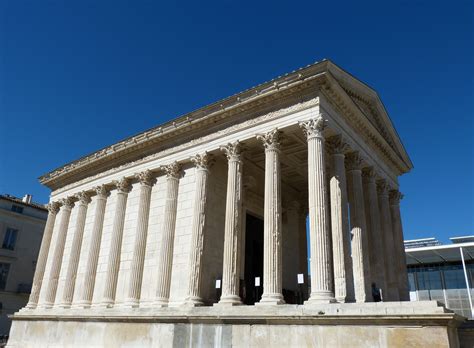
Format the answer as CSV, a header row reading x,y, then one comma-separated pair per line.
x,y
253,259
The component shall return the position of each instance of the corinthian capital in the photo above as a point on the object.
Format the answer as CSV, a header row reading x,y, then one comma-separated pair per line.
x,y
270,140
354,161
67,202
395,196
314,127
232,151
337,145
369,174
83,197
383,187
53,207
172,170
101,191
145,178
202,161
122,185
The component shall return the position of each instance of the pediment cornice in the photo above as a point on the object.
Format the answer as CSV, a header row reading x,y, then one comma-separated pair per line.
x,y
263,102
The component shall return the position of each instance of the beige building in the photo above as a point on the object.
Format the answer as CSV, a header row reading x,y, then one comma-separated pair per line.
x,y
21,230
140,233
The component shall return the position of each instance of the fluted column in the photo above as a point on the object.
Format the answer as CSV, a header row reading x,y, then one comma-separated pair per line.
x,y
272,226
94,246
146,180
233,227
113,264
360,248
83,201
66,207
193,297
403,289
165,261
319,232
391,292
53,209
341,248
376,245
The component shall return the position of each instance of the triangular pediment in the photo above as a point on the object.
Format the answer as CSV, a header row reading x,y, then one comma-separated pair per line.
x,y
370,104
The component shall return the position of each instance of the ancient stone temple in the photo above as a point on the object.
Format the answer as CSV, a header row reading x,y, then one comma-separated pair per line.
x,y
141,233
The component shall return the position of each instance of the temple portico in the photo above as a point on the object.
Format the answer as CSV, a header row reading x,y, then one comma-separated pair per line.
x,y
218,208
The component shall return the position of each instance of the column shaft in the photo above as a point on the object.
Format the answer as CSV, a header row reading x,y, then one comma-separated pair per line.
x,y
136,275
75,249
343,277
403,287
233,227
53,209
113,264
94,247
56,263
391,292
376,244
360,249
321,258
165,261
272,226
193,297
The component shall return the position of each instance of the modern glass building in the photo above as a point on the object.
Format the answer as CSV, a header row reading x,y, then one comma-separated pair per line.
x,y
442,272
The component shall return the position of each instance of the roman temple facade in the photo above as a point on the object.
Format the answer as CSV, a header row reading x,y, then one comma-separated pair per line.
x,y
140,232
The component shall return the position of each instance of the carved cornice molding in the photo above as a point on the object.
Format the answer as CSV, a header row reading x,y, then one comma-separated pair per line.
x,y
232,151
270,140
240,104
198,141
314,127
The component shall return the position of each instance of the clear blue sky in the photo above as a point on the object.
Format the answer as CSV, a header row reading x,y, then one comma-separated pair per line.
x,y
76,77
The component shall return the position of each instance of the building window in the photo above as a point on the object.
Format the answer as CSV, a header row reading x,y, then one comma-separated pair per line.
x,y
10,239
17,209
4,268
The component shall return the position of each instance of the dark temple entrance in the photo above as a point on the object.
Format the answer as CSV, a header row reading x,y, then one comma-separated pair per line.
x,y
253,259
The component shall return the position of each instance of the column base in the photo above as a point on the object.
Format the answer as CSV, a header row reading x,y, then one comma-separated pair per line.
x,y
81,305
106,304
229,300
131,303
193,301
160,302
271,300
46,305
64,305
320,297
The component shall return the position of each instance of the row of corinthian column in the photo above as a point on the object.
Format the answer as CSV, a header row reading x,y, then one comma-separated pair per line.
x,y
342,268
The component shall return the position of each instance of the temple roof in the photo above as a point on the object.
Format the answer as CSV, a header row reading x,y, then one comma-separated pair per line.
x,y
140,145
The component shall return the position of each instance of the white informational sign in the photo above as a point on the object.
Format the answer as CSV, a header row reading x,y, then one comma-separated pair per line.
x,y
300,278
218,283
257,281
